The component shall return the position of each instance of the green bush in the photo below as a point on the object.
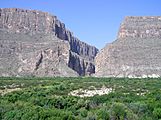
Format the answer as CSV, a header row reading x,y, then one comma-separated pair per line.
x,y
47,98
91,116
157,113
103,114
119,111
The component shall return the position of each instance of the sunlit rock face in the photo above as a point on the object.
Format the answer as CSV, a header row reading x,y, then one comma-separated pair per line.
x,y
140,27
35,43
135,53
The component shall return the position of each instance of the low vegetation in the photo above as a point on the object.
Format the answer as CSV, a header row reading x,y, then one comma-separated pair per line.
x,y
51,99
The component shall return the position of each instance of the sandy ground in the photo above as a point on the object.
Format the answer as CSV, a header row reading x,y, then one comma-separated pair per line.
x,y
5,91
90,93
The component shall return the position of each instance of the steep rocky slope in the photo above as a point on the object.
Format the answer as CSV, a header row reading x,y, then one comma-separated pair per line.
x,y
135,53
37,43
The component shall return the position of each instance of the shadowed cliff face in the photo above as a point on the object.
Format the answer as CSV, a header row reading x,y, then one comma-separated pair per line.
x,y
37,26
135,53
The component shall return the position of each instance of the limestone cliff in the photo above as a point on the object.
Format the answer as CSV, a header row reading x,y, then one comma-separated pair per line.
x,y
46,45
136,52
140,27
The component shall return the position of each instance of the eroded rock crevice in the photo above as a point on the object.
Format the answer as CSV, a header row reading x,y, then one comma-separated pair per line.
x,y
39,61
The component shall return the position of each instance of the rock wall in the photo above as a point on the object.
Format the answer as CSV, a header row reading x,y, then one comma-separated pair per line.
x,y
37,55
135,53
140,27
84,66
32,23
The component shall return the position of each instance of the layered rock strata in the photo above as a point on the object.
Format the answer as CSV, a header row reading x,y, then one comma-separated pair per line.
x,y
135,53
36,43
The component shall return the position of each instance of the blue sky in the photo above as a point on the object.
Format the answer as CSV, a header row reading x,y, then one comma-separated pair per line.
x,y
95,22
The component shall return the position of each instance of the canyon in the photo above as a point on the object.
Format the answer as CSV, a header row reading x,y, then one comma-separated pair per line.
x,y
36,43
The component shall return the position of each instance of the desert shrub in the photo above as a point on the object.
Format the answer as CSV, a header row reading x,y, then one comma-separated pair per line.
x,y
91,116
103,114
157,113
83,112
47,98
119,111
138,108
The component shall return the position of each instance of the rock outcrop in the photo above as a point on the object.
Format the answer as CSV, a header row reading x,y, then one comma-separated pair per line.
x,y
135,53
35,43
140,27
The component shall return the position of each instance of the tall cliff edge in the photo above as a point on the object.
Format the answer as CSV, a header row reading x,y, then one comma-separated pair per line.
x,y
136,52
36,25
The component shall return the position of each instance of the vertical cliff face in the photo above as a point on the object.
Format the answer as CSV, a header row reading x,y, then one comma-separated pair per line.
x,y
135,53
81,52
32,23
